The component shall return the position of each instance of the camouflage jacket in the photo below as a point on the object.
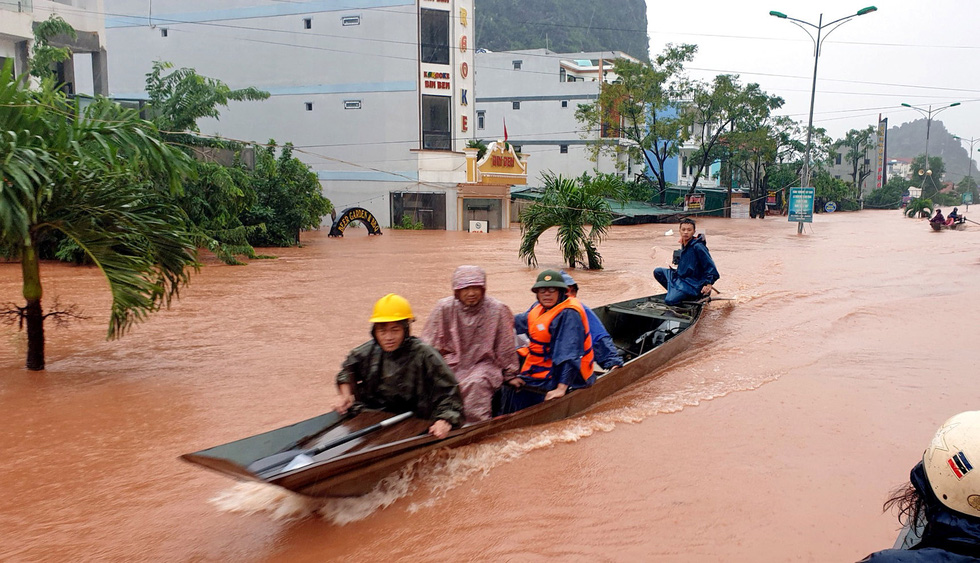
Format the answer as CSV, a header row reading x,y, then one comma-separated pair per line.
x,y
412,378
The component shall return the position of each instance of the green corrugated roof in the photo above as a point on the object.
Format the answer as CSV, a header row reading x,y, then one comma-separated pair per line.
x,y
624,211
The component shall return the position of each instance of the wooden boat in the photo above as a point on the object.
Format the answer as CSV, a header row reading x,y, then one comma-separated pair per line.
x,y
647,332
958,226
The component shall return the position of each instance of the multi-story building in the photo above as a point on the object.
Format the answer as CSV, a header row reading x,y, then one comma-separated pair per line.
x,y
376,95
842,168
85,71
530,97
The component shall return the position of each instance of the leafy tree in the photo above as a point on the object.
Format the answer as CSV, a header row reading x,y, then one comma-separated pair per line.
x,y
288,198
569,205
44,55
888,196
102,178
179,99
640,106
715,110
856,143
478,144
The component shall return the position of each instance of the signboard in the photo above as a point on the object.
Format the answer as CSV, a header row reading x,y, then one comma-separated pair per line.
x,y
830,207
355,214
695,202
880,154
801,205
968,198
771,198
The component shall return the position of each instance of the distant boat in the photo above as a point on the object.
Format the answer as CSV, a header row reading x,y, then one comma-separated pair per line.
x,y
646,330
957,226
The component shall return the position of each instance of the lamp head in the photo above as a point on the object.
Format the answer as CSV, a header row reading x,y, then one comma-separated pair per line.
x,y
954,104
906,105
776,14
867,10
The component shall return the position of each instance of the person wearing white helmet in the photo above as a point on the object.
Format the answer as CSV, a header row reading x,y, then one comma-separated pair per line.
x,y
397,372
941,502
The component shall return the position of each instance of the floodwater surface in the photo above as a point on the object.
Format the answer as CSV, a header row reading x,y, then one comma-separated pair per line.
x,y
776,436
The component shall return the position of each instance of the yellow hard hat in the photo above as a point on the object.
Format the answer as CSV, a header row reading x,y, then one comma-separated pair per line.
x,y
391,308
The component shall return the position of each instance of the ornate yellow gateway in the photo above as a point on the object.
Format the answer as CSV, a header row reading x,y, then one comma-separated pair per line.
x,y
484,199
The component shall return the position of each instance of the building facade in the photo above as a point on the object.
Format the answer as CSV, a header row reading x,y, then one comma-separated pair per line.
x,y
530,97
376,95
85,71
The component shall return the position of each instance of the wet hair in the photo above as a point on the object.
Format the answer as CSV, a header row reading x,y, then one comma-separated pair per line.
x,y
688,221
910,504
406,325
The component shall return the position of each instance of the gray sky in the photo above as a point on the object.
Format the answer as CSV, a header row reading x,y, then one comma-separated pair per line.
x,y
871,65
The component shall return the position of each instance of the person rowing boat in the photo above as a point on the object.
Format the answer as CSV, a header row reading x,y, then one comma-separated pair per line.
x,y
397,372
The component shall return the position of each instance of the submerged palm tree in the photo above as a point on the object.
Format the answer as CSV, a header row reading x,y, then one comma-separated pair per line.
x,y
919,207
571,205
100,178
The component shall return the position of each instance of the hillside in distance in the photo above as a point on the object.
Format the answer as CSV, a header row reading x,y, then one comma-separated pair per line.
x,y
563,26
908,140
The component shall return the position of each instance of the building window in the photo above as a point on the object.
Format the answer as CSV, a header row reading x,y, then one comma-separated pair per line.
x,y
307,23
517,65
435,37
350,20
164,32
563,149
867,161
351,104
309,106
481,119
517,149
516,105
564,103
837,161
436,119
562,75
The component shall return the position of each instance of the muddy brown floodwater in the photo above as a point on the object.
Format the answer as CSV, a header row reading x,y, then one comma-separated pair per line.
x,y
775,437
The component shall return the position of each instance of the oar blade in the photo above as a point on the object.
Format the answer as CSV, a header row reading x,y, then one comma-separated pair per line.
x,y
302,460
274,462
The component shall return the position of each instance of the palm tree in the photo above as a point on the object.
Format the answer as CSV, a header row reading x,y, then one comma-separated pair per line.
x,y
570,205
919,207
101,178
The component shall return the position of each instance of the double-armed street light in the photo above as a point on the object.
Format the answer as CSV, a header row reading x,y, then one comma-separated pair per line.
x,y
969,173
817,44
926,172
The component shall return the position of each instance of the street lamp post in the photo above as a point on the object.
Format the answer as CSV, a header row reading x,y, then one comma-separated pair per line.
x,y
969,171
926,172
817,43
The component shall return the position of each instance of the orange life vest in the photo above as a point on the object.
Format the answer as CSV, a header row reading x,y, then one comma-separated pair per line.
x,y
537,354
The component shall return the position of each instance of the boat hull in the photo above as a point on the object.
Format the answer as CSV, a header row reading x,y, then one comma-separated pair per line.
x,y
648,332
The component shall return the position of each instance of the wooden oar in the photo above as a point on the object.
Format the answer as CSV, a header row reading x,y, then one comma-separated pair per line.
x,y
294,459
970,220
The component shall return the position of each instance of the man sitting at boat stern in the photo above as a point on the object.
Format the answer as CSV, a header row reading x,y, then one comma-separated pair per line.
x,y
475,335
605,351
695,274
559,355
397,372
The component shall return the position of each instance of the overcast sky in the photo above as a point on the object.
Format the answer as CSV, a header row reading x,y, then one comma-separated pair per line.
x,y
871,65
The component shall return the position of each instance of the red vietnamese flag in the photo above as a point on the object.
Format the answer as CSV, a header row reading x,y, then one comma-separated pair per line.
x,y
505,129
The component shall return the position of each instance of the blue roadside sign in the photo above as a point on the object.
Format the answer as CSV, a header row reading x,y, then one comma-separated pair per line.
x,y
967,198
830,207
801,205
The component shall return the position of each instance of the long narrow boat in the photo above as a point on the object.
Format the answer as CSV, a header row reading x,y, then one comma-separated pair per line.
x,y
647,332
957,226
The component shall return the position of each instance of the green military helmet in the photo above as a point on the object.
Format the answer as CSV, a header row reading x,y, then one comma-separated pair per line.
x,y
549,278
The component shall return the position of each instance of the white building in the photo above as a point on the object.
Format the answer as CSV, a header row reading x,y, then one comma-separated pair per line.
x,y
85,72
376,95
535,94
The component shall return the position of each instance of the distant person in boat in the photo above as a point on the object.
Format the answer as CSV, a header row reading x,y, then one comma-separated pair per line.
x,y
695,274
475,335
559,356
938,218
954,217
942,498
397,372
605,351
